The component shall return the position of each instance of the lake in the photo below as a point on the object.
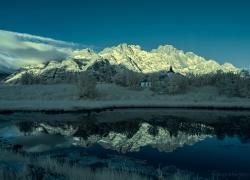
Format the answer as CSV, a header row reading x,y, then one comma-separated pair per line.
x,y
204,144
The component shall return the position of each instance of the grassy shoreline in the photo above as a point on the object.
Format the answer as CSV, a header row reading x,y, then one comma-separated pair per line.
x,y
24,167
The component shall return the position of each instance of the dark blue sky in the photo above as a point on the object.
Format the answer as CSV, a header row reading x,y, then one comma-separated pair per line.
x,y
211,28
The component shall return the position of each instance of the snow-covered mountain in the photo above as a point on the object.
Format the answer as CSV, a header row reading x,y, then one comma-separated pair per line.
x,y
161,59
131,57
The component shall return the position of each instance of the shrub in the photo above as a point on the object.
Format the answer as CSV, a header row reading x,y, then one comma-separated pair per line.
x,y
245,87
159,86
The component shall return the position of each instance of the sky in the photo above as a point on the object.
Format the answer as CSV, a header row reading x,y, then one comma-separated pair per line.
x,y
214,29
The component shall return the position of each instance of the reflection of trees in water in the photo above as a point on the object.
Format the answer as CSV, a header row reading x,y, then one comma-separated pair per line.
x,y
25,126
174,124
232,126
221,126
92,128
86,126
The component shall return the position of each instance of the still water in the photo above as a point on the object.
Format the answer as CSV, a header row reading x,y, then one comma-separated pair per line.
x,y
204,143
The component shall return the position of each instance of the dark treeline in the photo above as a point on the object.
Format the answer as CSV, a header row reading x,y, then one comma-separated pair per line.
x,y
228,84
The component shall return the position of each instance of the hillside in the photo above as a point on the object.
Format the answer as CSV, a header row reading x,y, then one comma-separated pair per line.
x,y
131,57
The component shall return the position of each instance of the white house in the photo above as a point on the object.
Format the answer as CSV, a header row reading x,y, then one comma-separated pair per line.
x,y
145,83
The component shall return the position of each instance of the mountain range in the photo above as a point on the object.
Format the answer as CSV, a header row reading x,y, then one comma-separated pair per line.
x,y
131,57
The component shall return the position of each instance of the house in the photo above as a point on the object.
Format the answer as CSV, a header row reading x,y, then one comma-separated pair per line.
x,y
145,83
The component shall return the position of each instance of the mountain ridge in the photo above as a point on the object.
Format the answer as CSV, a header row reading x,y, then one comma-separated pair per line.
x,y
132,57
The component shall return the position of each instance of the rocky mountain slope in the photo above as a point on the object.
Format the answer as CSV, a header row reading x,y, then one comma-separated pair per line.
x,y
131,57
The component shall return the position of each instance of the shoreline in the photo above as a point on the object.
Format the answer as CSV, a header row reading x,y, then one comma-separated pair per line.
x,y
58,107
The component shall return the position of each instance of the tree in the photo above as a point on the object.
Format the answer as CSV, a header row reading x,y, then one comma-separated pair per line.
x,y
86,85
177,85
27,78
71,77
120,79
159,86
128,79
133,79
245,87
229,84
30,78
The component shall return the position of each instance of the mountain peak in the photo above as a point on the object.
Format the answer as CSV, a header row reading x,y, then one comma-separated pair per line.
x,y
166,49
84,54
123,47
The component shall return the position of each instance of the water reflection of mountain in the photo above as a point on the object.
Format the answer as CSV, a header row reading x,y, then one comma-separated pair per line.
x,y
125,136
166,132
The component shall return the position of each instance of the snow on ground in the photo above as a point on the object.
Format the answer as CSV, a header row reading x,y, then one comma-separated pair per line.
x,y
65,97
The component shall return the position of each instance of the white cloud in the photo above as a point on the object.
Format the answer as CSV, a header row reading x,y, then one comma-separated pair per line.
x,y
20,49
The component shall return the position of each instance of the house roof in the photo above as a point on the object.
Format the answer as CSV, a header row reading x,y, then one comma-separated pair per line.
x,y
144,80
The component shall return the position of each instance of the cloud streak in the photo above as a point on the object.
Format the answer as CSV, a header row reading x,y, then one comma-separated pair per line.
x,y
20,49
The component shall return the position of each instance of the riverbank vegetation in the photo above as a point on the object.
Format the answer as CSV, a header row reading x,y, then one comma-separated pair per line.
x,y
15,166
